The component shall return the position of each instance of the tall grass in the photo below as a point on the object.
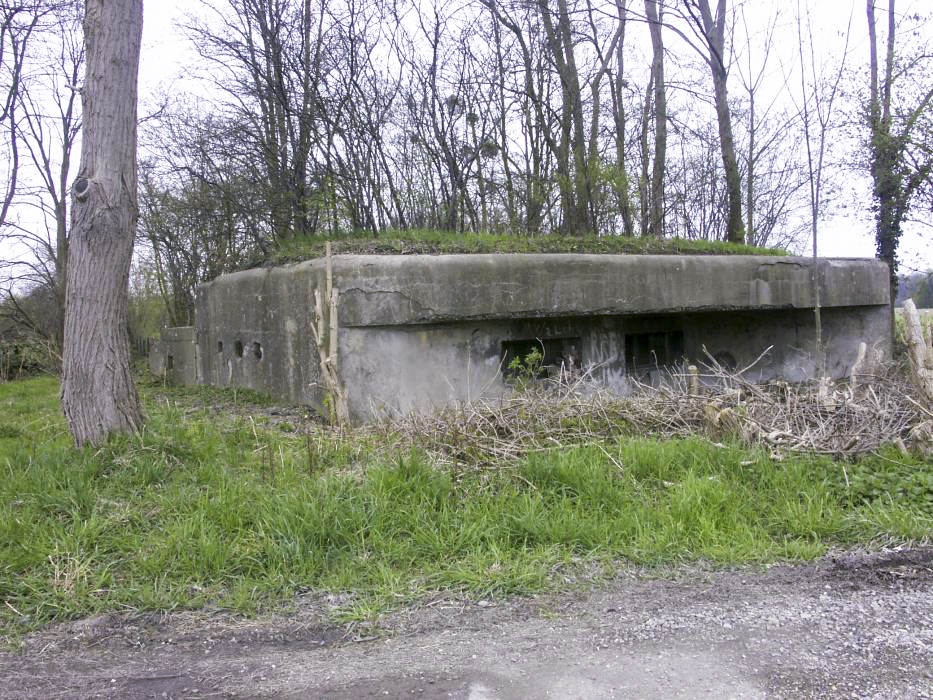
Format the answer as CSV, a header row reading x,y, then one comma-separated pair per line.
x,y
204,509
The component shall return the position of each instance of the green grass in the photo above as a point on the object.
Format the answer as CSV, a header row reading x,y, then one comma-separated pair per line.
x,y
203,510
439,242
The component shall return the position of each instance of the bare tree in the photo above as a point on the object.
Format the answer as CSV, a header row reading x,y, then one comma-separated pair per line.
x,y
46,129
712,31
532,88
818,95
269,58
574,181
98,394
696,189
618,88
18,21
760,142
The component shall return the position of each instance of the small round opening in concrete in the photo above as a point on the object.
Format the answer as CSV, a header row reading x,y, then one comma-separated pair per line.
x,y
257,351
238,348
220,346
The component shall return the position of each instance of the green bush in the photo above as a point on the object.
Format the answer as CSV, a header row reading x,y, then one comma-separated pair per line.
x,y
25,357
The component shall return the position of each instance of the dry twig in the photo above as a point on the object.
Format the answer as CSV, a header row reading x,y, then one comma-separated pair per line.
x,y
573,409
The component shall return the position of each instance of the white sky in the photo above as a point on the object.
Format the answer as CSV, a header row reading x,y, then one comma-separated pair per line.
x,y
167,61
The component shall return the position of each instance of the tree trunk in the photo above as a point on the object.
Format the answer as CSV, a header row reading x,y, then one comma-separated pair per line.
x,y
886,185
715,31
750,174
570,82
918,351
503,128
98,394
572,167
621,184
656,191
643,184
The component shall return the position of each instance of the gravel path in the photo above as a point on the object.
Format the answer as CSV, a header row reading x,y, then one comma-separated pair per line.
x,y
855,624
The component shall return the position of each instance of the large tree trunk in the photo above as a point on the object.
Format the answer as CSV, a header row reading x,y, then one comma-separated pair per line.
x,y
98,394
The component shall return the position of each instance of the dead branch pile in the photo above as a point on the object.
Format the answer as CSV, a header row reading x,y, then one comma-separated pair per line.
x,y
842,419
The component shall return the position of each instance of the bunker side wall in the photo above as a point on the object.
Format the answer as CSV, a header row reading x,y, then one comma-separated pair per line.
x,y
174,356
253,330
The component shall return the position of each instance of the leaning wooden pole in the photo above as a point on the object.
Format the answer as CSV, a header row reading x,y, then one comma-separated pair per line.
x,y
918,351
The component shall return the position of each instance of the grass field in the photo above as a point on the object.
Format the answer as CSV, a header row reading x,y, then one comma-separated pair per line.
x,y
210,507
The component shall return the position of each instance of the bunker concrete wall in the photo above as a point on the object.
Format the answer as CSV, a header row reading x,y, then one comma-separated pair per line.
x,y
254,331
174,356
401,290
423,331
423,367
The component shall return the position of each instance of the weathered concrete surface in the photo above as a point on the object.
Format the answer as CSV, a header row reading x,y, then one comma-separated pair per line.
x,y
418,332
401,290
174,356
397,369
254,328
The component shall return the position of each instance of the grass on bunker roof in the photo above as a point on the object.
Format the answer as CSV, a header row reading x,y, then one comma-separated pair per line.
x,y
411,242
220,504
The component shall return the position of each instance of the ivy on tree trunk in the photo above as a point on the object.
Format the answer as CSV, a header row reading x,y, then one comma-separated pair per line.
x,y
897,171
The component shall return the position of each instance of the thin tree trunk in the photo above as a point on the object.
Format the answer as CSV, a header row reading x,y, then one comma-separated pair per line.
x,y
98,394
656,191
604,67
643,184
622,185
750,175
716,42
503,130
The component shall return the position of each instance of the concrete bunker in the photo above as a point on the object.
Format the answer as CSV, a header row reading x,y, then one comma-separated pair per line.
x,y
419,332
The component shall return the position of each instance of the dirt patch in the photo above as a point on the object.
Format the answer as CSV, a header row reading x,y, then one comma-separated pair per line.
x,y
854,624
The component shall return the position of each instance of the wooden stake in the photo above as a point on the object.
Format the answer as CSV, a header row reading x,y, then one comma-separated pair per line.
x,y
919,353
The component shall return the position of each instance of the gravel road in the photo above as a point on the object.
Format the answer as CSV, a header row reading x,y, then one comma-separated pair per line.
x,y
853,624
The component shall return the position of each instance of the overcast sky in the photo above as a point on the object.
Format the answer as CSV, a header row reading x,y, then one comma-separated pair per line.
x,y
167,61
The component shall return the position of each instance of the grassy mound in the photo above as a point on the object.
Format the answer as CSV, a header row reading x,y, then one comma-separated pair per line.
x,y
412,242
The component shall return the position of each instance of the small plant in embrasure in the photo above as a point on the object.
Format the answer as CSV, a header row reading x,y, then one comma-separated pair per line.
x,y
525,369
